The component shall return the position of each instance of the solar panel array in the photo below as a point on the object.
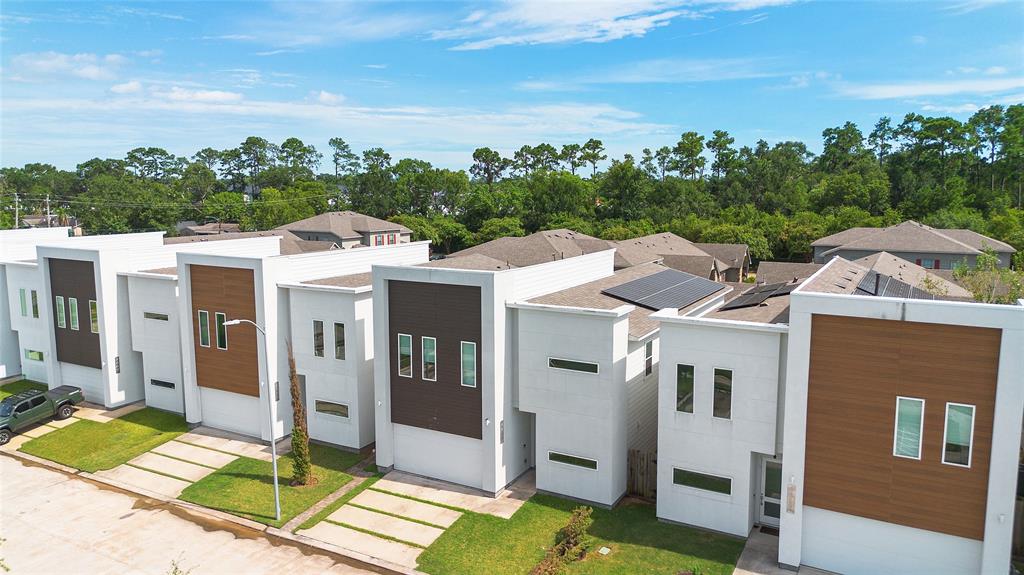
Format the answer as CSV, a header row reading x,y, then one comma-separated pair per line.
x,y
882,285
665,289
757,295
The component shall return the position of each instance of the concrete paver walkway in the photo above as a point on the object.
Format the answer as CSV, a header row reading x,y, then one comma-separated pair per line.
x,y
401,529
170,466
504,505
394,505
144,479
393,551
200,455
233,443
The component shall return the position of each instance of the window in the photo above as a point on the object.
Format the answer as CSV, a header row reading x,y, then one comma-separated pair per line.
x,y
37,401
33,355
378,240
24,302
154,315
222,330
723,394
160,383
469,364
35,304
684,388
959,434
572,460
318,338
73,312
909,427
404,355
586,367
94,317
392,239
330,408
204,328
648,357
62,320
339,341
23,407
429,358
702,481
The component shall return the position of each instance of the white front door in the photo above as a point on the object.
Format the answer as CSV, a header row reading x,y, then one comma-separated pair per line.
x,y
771,492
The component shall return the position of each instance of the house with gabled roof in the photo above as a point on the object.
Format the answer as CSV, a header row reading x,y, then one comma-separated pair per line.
x,y
348,229
926,246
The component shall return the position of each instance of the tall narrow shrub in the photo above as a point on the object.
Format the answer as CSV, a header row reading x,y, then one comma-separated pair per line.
x,y
302,470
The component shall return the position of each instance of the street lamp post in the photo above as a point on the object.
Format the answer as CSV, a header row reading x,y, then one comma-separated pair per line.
x,y
270,412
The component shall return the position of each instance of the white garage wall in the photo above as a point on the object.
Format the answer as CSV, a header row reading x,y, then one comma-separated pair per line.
x,y
158,341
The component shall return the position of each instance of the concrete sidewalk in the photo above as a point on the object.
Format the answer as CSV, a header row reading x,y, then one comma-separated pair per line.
x,y
761,557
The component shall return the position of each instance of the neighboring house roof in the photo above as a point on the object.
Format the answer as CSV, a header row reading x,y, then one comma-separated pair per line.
x,y
841,276
910,236
772,310
913,274
290,243
344,225
538,247
732,255
162,271
775,272
214,228
677,252
350,280
700,266
468,262
590,295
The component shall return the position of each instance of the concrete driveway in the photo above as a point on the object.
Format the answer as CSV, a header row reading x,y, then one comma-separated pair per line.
x,y
55,523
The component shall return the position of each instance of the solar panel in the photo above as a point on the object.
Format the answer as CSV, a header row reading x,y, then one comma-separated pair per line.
x,y
881,285
746,300
668,288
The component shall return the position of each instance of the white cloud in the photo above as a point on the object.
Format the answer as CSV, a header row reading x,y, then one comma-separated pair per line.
x,y
127,87
149,53
229,37
919,39
950,109
179,94
328,98
968,6
37,66
244,77
276,52
662,71
995,71
925,89
375,66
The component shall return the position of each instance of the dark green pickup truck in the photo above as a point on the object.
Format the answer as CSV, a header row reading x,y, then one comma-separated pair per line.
x,y
30,407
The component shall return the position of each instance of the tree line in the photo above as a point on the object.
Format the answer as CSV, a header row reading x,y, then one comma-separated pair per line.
x,y
777,198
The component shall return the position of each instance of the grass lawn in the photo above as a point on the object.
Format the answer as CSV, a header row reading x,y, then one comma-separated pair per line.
x,y
19,386
640,544
93,446
245,486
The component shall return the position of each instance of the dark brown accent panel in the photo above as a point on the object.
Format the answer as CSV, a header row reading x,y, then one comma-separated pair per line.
x,y
231,291
74,279
858,367
450,313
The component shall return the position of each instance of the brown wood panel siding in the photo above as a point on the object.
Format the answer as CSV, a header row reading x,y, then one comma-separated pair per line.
x,y
450,313
74,279
231,291
857,368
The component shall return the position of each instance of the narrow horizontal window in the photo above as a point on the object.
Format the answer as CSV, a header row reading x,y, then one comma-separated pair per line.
x,y
909,427
159,383
723,394
204,328
404,355
684,388
94,317
62,320
572,365
339,341
154,315
469,364
429,357
73,312
572,460
318,338
33,355
35,304
331,408
958,437
222,330
703,481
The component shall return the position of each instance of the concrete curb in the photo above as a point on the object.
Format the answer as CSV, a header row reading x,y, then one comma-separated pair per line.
x,y
124,486
221,515
372,561
44,462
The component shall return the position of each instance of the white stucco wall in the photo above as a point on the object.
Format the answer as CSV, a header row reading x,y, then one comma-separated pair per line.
x,y
158,341
702,443
30,333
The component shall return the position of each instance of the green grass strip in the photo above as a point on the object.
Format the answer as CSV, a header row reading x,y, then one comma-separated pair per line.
x,y
427,501
334,506
395,515
375,534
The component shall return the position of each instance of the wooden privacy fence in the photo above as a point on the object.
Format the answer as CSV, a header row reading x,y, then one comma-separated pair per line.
x,y
642,480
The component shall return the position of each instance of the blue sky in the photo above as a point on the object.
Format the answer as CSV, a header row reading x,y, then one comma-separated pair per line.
x,y
436,80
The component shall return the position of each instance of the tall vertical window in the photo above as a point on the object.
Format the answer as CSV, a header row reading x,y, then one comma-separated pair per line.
x,y
204,328
392,239
648,357
959,435
684,388
222,330
404,355
429,357
62,320
723,393
469,364
94,317
73,312
339,341
909,427
35,304
24,302
318,338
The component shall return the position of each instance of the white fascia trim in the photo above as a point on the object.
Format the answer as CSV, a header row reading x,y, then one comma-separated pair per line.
x,y
31,264
620,311
709,306
326,288
426,270
147,275
668,315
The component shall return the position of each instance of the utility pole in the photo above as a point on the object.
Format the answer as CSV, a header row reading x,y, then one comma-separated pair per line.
x,y
47,210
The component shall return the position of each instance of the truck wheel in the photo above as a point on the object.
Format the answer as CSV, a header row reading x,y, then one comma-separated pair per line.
x,y
5,436
65,411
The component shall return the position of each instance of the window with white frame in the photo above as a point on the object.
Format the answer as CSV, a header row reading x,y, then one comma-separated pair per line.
x,y
702,481
958,437
649,357
204,328
35,304
722,408
428,356
33,355
468,349
222,330
318,338
331,408
155,315
94,317
573,460
62,320
684,388
339,341
73,313
404,355
909,427
23,297
572,365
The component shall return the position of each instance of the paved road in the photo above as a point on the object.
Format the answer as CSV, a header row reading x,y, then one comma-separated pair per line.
x,y
56,523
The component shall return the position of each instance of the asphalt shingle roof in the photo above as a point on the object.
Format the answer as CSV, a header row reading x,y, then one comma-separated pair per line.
x,y
911,236
345,225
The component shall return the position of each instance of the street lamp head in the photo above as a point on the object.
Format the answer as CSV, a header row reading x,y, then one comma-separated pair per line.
x,y
233,322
